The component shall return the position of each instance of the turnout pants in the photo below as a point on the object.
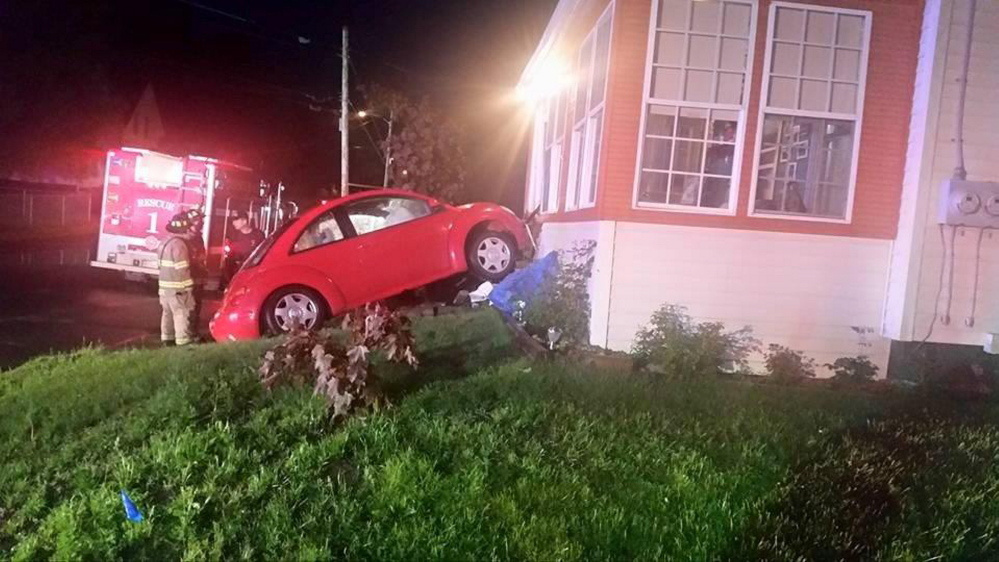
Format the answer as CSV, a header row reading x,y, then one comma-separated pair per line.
x,y
178,323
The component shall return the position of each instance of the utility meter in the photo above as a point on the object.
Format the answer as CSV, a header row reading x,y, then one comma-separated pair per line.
x,y
969,203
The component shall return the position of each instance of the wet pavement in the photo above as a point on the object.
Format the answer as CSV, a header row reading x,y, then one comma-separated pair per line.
x,y
60,308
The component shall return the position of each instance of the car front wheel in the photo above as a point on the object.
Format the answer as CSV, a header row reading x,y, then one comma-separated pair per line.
x,y
294,306
491,255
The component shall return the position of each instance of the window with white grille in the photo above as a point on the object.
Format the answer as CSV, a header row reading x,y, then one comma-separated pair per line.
x,y
811,112
700,53
549,136
588,115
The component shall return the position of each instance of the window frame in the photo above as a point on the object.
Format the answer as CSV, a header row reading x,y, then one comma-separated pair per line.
x,y
738,156
337,217
578,131
556,148
351,231
339,213
857,118
536,171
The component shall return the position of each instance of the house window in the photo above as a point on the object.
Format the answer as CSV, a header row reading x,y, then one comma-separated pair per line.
x,y
549,137
695,105
552,161
813,97
588,115
536,178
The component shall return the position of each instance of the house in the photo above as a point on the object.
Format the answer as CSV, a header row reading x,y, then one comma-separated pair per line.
x,y
772,164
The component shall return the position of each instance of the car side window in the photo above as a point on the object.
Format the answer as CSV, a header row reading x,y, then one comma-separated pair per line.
x,y
369,215
323,230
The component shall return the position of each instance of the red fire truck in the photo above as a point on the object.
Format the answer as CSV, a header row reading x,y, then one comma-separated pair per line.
x,y
144,189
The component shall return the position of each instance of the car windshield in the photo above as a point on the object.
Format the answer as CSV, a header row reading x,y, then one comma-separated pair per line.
x,y
258,254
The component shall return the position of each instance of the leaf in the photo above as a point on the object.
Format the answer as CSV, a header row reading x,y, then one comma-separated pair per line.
x,y
358,354
341,403
340,373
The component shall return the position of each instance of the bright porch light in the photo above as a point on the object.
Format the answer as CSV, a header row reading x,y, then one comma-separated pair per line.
x,y
546,81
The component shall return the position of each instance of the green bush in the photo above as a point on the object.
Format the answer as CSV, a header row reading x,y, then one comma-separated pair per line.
x,y
673,344
787,366
563,302
853,370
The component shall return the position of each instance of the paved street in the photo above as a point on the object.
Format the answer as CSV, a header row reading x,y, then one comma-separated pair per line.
x,y
63,308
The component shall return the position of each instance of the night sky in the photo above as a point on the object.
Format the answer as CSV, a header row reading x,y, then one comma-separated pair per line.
x,y
238,75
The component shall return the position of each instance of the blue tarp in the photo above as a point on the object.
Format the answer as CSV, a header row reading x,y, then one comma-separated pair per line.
x,y
523,284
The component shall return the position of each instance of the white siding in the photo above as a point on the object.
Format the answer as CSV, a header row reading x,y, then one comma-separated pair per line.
x,y
803,291
918,257
901,284
562,236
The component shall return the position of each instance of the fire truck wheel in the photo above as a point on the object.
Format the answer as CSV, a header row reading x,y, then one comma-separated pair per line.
x,y
292,306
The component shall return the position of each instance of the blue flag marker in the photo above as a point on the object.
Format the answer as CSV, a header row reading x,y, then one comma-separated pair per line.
x,y
131,511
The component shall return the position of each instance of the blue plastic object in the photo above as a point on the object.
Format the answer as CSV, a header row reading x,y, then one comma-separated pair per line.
x,y
524,284
131,511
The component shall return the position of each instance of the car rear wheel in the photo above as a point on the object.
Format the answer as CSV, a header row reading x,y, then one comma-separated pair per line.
x,y
491,255
294,306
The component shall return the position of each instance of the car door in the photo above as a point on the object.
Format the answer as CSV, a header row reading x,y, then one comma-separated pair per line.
x,y
403,242
325,245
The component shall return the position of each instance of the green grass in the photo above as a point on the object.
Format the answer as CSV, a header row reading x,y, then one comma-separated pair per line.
x,y
517,461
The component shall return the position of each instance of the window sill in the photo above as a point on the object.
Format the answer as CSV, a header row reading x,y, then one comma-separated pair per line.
x,y
661,207
799,218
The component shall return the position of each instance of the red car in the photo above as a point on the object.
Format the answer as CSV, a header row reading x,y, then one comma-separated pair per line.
x,y
360,249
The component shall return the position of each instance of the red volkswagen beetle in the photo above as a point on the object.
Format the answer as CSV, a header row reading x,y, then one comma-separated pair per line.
x,y
360,249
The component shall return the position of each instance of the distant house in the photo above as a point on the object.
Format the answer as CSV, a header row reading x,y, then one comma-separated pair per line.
x,y
771,164
145,126
183,118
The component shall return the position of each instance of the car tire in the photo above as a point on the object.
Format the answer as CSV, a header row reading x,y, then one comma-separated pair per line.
x,y
491,255
294,304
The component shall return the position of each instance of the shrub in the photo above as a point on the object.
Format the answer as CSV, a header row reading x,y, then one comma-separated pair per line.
x,y
340,363
675,345
853,369
785,365
563,302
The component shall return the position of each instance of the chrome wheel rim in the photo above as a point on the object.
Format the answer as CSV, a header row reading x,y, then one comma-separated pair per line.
x,y
296,309
493,254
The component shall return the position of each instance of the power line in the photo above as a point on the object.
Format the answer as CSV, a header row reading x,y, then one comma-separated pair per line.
x,y
215,11
374,144
299,39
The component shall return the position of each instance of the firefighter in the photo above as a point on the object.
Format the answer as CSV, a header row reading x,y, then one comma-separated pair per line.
x,y
240,243
177,282
199,260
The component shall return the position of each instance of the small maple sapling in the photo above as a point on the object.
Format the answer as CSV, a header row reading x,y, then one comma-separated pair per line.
x,y
337,363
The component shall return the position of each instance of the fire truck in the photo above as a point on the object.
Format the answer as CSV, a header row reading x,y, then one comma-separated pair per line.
x,y
143,190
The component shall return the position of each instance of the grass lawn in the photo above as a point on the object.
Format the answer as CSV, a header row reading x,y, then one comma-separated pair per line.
x,y
510,460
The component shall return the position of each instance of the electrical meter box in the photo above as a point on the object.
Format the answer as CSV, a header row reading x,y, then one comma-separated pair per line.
x,y
969,203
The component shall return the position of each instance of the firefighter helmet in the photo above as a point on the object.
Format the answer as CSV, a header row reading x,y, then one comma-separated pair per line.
x,y
195,216
180,224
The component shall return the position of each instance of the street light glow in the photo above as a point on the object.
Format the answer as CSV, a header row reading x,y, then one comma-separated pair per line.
x,y
548,80
362,114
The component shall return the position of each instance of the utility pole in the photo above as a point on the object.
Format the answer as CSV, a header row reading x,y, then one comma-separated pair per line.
x,y
388,148
344,114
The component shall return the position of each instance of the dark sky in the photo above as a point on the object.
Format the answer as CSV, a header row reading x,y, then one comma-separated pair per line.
x,y
73,69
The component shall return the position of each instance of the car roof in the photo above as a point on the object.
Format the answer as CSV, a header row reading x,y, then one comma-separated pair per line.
x,y
377,193
328,204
